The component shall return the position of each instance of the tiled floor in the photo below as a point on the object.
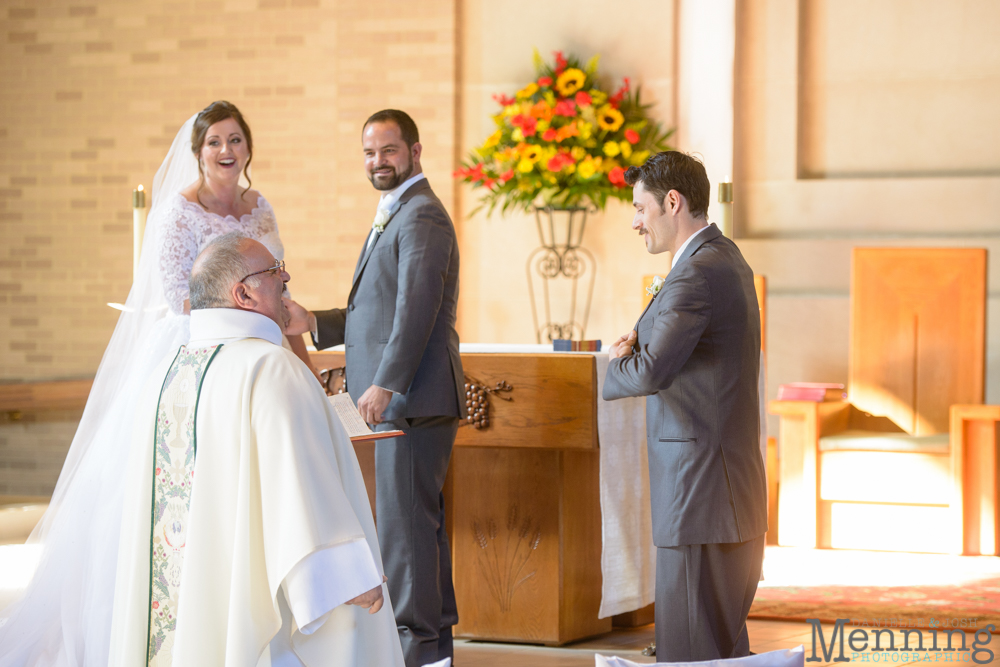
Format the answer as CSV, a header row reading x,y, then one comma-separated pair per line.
x,y
764,636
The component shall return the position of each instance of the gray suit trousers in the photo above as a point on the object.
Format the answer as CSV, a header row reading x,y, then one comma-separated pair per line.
x,y
703,596
409,477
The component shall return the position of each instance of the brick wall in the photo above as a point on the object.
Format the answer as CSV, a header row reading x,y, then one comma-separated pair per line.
x,y
91,94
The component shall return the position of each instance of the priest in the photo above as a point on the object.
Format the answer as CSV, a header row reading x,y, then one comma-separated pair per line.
x,y
247,537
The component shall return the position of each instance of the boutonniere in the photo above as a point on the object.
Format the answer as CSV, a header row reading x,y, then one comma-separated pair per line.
x,y
654,288
381,218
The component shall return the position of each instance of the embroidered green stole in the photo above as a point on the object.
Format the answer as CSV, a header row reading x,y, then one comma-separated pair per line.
x,y
175,447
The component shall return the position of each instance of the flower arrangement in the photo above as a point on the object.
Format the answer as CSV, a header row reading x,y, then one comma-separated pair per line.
x,y
563,142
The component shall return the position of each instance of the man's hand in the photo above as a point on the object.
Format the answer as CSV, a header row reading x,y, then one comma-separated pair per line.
x,y
373,403
300,320
372,600
623,346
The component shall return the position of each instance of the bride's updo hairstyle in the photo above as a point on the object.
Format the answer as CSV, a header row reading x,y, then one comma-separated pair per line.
x,y
214,113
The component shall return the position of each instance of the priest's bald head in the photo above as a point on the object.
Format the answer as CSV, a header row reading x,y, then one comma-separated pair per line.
x,y
237,272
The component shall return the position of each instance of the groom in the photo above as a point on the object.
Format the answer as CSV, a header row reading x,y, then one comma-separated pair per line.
x,y
404,371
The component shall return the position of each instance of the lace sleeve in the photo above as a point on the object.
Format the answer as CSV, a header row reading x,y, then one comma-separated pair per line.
x,y
178,249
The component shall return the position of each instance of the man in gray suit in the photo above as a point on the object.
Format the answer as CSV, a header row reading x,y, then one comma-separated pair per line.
x,y
695,354
404,371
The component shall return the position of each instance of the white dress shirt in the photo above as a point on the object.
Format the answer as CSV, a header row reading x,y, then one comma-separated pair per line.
x,y
387,202
680,251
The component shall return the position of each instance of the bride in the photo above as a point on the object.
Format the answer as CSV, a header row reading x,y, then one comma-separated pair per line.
x,y
63,617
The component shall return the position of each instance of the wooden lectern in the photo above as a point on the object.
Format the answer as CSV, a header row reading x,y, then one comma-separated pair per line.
x,y
523,501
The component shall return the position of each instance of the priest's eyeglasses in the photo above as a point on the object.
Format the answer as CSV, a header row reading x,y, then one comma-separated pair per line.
x,y
279,265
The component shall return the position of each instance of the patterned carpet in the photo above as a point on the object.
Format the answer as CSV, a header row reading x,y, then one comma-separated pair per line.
x,y
928,591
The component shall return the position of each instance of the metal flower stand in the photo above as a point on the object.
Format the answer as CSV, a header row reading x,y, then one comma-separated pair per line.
x,y
555,272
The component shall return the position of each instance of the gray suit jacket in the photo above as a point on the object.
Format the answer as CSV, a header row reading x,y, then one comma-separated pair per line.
x,y
399,325
698,363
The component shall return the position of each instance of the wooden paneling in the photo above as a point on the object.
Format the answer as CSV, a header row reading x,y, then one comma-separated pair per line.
x,y
917,333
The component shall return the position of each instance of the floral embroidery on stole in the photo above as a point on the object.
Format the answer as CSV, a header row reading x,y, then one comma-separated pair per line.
x,y
175,447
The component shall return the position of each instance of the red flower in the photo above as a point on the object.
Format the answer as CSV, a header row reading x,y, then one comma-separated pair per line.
x,y
617,177
549,135
616,99
156,605
560,160
582,98
503,100
507,175
545,81
560,62
631,136
564,108
488,183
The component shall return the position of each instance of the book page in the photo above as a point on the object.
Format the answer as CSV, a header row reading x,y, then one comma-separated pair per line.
x,y
349,415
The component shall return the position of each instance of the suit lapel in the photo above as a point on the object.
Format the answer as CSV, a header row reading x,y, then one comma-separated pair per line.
x,y
412,191
704,237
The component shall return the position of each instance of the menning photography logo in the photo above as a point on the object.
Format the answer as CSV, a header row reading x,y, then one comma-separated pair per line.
x,y
880,638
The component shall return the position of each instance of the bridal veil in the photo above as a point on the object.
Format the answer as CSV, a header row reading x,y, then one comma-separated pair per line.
x,y
63,617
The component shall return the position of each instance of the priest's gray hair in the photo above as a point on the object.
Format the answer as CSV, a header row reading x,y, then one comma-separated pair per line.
x,y
218,267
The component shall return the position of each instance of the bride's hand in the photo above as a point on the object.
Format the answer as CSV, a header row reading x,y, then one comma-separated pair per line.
x,y
300,320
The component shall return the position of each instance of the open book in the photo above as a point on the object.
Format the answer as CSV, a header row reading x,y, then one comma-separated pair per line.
x,y
355,426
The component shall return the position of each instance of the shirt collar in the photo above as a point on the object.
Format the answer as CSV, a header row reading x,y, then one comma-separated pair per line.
x,y
388,200
216,324
680,251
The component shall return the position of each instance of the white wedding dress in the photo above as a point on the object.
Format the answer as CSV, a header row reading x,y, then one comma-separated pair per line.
x,y
63,617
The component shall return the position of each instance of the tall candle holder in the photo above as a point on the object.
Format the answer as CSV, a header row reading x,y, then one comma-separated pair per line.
x,y
726,204
138,227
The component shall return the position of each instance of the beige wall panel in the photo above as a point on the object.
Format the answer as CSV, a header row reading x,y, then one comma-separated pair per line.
x,y
496,48
93,93
774,135
899,87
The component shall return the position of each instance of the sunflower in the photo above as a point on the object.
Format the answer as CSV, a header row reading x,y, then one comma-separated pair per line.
x,y
570,81
609,118
531,152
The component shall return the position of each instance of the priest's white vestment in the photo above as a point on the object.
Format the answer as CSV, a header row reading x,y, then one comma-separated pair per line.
x,y
246,556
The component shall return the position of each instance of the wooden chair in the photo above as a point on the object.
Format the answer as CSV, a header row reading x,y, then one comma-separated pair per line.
x,y
908,462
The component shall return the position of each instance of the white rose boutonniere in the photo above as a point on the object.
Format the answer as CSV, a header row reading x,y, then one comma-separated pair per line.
x,y
654,288
381,218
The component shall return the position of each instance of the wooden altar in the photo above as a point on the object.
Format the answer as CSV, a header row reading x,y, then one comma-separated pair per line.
x,y
523,501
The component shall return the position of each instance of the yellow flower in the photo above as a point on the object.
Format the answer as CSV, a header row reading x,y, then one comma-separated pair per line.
x,y
570,81
493,139
611,149
577,152
550,179
542,125
609,118
517,135
586,169
597,97
586,129
639,157
531,153
528,90
525,165
626,149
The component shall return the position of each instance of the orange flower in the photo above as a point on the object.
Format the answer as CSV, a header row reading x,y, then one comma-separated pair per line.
x,y
550,135
567,131
541,110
